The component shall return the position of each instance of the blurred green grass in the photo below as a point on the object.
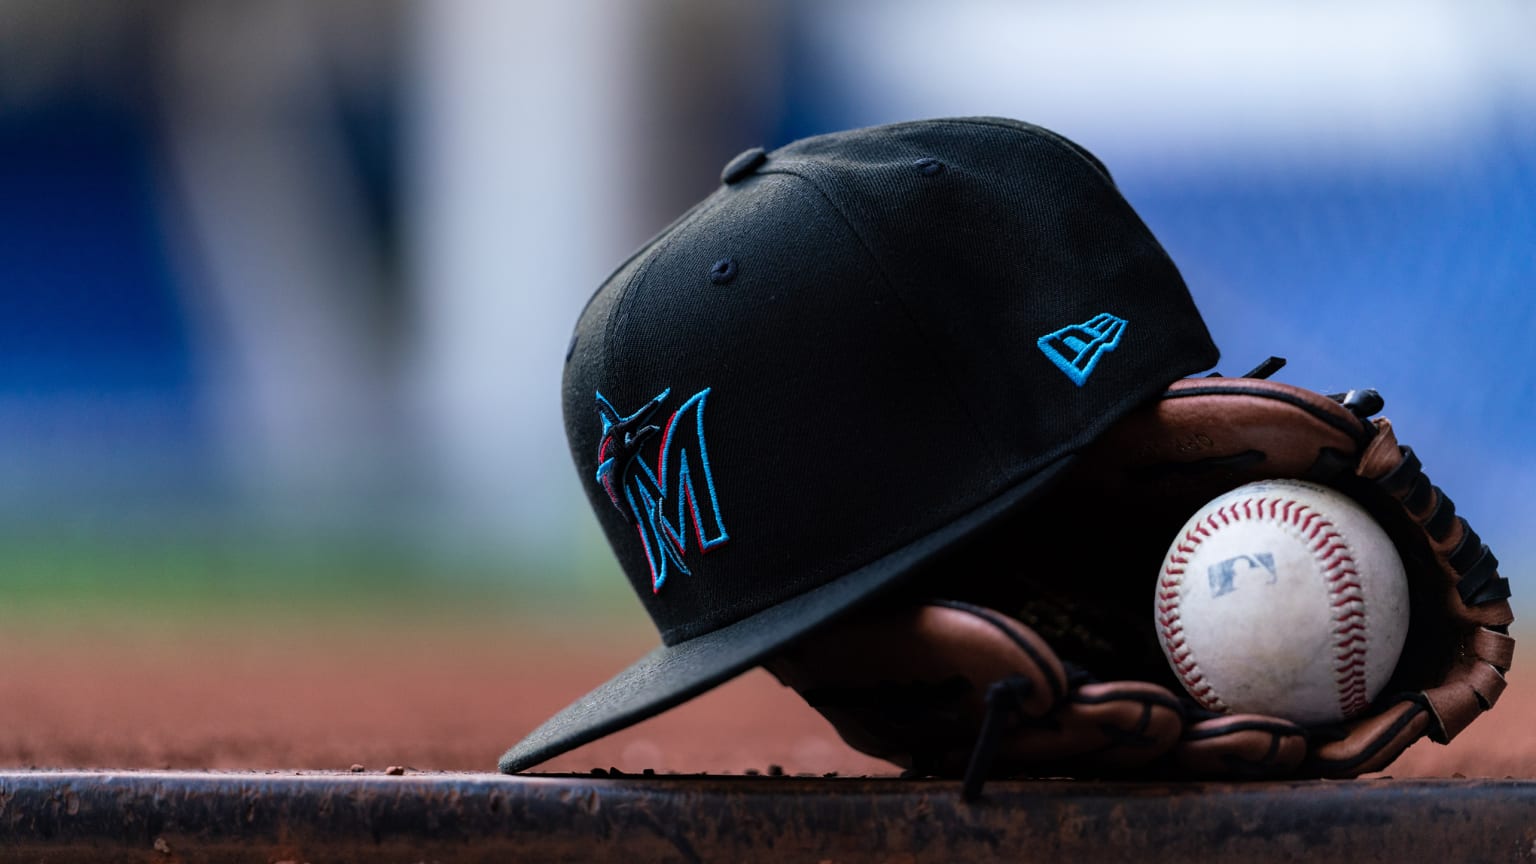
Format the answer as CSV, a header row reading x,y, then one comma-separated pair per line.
x,y
196,582
204,582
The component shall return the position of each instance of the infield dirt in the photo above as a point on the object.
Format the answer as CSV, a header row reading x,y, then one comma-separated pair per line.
x,y
431,695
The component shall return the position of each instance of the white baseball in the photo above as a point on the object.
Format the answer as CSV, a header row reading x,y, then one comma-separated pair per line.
x,y
1283,598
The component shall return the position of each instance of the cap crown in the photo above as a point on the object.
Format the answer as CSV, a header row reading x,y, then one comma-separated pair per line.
x,y
855,341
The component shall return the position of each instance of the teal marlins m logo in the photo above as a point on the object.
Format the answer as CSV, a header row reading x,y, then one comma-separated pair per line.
x,y
663,503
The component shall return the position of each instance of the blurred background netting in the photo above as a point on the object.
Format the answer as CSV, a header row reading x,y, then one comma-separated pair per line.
x,y
285,287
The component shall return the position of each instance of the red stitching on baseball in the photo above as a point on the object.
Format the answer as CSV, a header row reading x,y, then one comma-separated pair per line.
x,y
1335,547
1168,619
1347,598
1314,522
1348,604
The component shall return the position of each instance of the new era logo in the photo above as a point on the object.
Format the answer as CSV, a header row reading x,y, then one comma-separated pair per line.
x,y
1076,349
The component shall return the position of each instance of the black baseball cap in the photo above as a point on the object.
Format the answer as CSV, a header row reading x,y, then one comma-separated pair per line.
x,y
862,349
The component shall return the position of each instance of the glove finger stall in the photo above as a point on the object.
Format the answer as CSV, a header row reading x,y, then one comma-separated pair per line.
x,y
1241,747
909,685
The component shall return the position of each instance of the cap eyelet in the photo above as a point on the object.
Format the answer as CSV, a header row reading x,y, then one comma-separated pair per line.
x,y
723,271
928,166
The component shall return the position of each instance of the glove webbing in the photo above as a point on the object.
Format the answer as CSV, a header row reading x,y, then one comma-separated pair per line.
x,y
1477,681
1469,558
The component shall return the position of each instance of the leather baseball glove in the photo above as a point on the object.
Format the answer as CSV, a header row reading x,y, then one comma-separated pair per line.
x,y
1032,651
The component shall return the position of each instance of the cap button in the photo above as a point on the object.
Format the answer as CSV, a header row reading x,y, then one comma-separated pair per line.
x,y
744,164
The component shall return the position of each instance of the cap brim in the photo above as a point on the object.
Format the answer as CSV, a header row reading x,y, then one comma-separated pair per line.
x,y
673,674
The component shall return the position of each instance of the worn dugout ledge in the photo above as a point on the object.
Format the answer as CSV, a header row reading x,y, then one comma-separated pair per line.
x,y
186,816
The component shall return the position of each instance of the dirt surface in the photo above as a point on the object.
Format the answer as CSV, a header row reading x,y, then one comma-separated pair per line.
x,y
450,698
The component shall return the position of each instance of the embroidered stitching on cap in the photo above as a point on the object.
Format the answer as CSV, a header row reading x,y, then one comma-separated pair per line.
x,y
647,493
1077,348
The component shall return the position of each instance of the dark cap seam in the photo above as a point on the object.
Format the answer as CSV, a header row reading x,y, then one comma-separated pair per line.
x,y
793,168
1122,203
641,250
1033,131
659,244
